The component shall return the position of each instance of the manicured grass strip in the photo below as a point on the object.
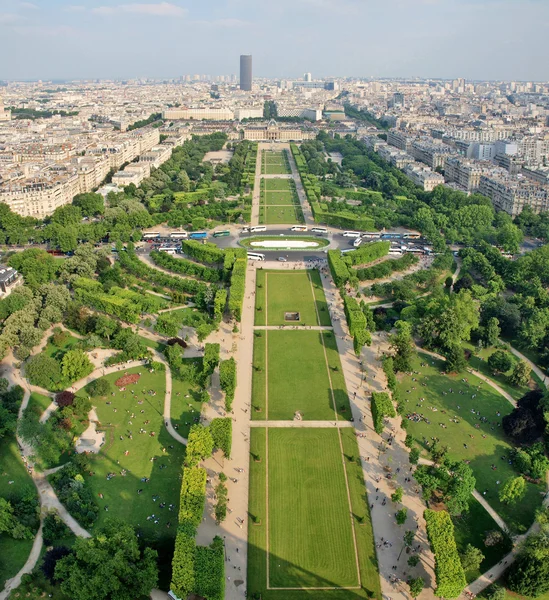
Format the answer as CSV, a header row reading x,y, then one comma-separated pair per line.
x,y
287,215
369,573
279,185
297,376
341,396
280,198
289,292
310,533
481,443
259,382
320,298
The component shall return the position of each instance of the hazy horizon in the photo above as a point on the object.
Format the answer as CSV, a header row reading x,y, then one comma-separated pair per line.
x,y
107,39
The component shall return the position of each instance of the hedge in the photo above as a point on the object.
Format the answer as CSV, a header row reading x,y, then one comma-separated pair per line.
x,y
385,268
209,570
237,288
206,253
389,370
369,252
211,358
338,268
221,430
193,496
227,380
185,267
183,572
129,262
356,320
381,407
220,300
449,573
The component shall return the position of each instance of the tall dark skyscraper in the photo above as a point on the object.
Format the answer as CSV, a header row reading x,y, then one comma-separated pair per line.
x,y
246,72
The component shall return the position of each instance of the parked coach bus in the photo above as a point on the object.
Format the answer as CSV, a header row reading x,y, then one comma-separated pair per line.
x,y
169,249
221,233
351,234
357,242
151,235
371,235
319,230
298,228
198,235
179,235
258,228
256,256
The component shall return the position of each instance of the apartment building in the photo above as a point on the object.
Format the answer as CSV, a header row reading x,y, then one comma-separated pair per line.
x,y
512,194
423,177
207,112
465,173
433,155
399,140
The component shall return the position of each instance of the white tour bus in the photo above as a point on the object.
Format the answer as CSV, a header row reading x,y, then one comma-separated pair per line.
x,y
319,230
395,252
169,249
179,235
258,228
151,234
351,234
298,228
357,242
256,256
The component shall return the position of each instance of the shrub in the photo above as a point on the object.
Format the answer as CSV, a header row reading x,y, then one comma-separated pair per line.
x,y
193,495
222,433
65,398
449,574
227,380
185,267
381,407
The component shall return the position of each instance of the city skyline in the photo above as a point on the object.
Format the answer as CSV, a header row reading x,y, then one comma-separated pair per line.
x,y
109,39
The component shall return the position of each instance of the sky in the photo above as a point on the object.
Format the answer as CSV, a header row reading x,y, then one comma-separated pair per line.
x,y
113,39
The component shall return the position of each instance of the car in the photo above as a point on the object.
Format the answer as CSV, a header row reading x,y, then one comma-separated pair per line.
x,y
282,259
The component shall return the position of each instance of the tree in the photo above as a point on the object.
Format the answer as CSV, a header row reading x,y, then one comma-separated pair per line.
x,y
51,559
90,204
414,456
75,365
500,361
401,516
403,345
513,490
529,574
493,537
111,565
99,387
455,358
492,331
396,496
416,586
471,558
65,398
520,375
44,371
36,266
413,561
200,445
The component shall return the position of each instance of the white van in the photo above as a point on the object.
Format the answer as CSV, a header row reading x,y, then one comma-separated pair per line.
x,y
351,234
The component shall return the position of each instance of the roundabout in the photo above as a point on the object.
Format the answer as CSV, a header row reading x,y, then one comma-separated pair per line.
x,y
288,243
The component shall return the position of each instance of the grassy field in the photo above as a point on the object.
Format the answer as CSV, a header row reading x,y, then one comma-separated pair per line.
x,y
279,198
277,215
310,535
479,362
120,493
279,185
274,163
278,292
39,402
14,553
58,352
184,410
471,528
297,377
481,443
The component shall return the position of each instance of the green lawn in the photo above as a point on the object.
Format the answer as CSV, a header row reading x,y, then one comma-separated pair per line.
x,y
290,291
274,163
38,402
276,215
120,493
279,198
310,534
471,528
479,362
297,377
185,410
465,439
14,553
279,185
59,351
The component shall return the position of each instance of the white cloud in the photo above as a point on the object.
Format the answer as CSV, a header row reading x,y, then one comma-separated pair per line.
x,y
8,18
162,9
28,5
